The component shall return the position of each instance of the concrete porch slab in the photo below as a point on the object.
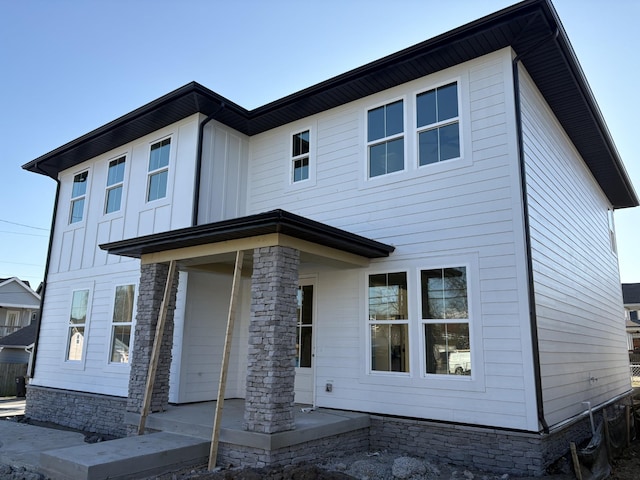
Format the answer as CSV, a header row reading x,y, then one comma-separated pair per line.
x,y
124,458
197,420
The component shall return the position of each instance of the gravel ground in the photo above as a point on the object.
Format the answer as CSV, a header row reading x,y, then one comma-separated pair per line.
x,y
367,466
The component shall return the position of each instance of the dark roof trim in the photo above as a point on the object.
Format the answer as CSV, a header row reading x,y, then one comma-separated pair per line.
x,y
275,221
553,67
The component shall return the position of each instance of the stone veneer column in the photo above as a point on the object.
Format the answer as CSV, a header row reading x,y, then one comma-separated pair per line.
x,y
150,292
272,340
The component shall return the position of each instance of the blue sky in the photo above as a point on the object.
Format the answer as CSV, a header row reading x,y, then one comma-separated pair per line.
x,y
68,67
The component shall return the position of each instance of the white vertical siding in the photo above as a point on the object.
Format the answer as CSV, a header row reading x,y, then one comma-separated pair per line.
x,y
77,262
433,215
206,313
224,169
577,285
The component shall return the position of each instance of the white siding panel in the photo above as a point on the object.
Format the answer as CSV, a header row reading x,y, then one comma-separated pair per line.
x,y
468,208
223,170
94,373
576,275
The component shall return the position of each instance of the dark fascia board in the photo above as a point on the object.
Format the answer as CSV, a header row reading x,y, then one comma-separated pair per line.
x,y
553,66
275,221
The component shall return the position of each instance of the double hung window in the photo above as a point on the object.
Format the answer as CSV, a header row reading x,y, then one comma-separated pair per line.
x,y
121,324
389,322
77,324
300,156
385,139
158,170
78,194
115,181
445,319
438,124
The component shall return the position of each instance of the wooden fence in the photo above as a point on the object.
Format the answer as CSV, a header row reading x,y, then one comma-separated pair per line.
x,y
8,374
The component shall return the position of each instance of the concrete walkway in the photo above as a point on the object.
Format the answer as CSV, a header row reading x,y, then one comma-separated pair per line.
x,y
21,444
11,406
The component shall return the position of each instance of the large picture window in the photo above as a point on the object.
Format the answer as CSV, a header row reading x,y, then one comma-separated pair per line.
x,y
78,194
158,170
445,319
121,324
385,139
438,124
389,322
77,324
115,182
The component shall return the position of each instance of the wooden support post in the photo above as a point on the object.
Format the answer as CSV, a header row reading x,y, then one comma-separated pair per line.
x,y
237,273
627,424
607,437
155,352
576,462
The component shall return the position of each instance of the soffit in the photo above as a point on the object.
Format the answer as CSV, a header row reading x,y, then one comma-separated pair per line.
x,y
552,65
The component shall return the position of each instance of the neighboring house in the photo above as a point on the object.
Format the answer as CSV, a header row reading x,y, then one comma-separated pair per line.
x,y
19,305
17,347
430,238
631,298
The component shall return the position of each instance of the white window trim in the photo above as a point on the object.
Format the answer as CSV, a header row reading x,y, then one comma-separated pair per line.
x,y
613,243
458,119
73,199
415,379
475,381
167,168
367,144
109,363
380,373
311,180
121,184
77,364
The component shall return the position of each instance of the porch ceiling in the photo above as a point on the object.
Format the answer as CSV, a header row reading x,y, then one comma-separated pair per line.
x,y
205,245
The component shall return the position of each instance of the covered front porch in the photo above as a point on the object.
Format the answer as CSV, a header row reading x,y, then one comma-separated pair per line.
x,y
334,429
261,256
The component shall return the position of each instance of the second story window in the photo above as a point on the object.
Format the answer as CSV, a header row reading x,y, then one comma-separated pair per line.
x,y
438,124
78,194
115,180
385,139
158,170
300,156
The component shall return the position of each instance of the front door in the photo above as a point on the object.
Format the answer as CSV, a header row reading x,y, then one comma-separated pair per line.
x,y
304,344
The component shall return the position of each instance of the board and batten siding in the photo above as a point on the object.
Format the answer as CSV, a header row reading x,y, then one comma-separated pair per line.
x,y
461,211
223,173
77,262
583,349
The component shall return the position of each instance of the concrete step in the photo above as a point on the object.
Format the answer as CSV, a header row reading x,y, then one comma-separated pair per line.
x,y
125,458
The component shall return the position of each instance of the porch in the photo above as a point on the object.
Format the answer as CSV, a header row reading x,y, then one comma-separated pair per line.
x,y
183,435
196,420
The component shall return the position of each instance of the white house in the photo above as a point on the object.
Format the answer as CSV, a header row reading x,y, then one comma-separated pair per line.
x,y
428,238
